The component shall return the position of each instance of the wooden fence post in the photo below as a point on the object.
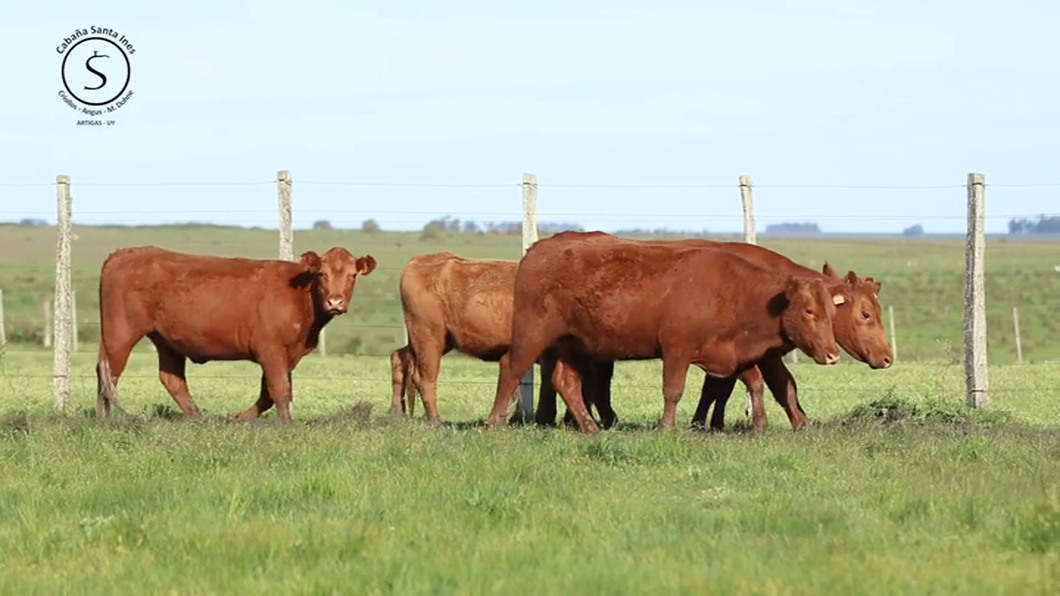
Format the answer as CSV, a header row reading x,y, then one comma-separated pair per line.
x,y
976,375
750,237
747,199
526,386
62,342
894,334
283,189
3,331
1016,326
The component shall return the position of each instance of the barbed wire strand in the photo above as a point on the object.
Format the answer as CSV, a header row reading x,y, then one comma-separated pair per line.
x,y
541,185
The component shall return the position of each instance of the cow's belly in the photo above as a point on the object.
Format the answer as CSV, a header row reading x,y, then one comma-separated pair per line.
x,y
206,346
614,346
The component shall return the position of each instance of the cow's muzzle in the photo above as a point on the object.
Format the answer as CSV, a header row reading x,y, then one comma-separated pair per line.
x,y
829,358
335,306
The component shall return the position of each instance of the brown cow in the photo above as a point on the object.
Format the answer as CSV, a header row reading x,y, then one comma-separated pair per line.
x,y
608,301
207,308
858,330
453,303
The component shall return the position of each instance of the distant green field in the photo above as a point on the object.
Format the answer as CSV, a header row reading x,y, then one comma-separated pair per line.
x,y
922,280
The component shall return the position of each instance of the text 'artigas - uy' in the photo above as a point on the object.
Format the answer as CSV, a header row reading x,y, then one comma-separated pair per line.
x,y
111,33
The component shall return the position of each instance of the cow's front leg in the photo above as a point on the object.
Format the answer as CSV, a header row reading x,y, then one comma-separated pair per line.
x,y
675,370
278,380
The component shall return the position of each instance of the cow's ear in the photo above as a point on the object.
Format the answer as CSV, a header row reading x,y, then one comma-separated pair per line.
x,y
792,287
829,271
365,265
841,294
311,261
875,286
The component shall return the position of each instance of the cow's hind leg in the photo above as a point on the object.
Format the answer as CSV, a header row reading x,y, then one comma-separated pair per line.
x,y
756,389
426,377
784,389
114,351
275,388
427,347
707,395
599,393
716,391
545,413
567,379
263,404
171,369
401,381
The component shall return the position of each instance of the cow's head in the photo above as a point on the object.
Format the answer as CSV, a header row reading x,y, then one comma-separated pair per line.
x,y
333,277
807,317
859,322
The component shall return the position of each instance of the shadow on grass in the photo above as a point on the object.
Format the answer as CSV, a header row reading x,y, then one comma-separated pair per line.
x,y
885,412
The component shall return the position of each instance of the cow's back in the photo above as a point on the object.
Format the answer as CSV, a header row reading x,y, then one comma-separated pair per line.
x,y
470,299
754,253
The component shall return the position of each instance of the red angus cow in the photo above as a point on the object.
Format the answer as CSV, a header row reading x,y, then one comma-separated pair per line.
x,y
452,303
606,301
858,330
207,308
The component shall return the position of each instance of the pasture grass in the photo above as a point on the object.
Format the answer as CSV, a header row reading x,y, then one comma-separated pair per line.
x,y
895,489
923,279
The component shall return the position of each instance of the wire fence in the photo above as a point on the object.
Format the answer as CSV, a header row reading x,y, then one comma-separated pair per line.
x,y
934,285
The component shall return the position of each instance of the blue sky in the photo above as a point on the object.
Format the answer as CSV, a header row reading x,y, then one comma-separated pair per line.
x,y
822,92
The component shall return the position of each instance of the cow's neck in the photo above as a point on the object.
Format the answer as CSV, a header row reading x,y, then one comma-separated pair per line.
x,y
320,318
767,338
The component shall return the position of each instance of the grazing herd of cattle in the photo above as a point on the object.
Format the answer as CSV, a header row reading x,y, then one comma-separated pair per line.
x,y
574,304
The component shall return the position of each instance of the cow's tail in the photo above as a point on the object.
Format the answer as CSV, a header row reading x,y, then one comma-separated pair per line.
x,y
106,388
408,360
104,384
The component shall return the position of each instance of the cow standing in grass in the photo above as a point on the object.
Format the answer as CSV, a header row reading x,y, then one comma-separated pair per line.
x,y
858,329
453,303
597,301
208,308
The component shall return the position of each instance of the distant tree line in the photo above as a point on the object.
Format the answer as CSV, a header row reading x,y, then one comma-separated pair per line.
x,y
450,225
793,229
661,233
1040,225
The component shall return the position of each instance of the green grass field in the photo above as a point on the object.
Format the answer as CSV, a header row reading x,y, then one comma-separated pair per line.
x,y
347,500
